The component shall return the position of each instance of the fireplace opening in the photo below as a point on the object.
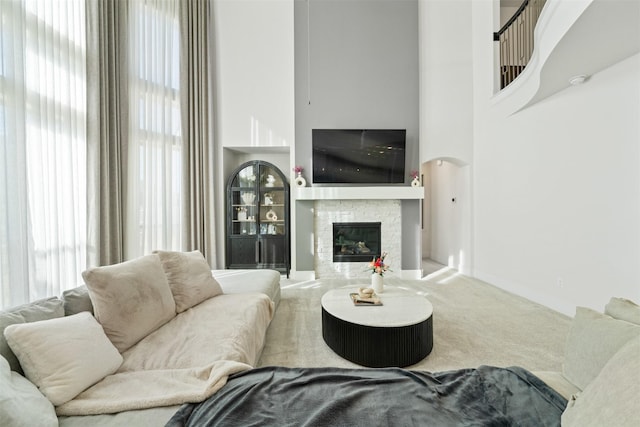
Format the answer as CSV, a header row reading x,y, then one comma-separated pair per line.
x,y
356,241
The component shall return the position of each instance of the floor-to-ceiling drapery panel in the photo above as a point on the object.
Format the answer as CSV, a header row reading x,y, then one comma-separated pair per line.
x,y
198,189
42,148
107,131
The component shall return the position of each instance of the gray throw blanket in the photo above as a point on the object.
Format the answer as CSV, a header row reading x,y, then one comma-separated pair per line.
x,y
277,396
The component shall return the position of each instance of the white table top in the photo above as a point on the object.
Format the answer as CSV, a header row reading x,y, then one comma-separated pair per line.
x,y
399,307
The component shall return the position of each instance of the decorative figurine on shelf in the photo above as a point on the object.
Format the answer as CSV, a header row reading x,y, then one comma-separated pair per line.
x,y
268,199
242,214
299,180
270,181
415,180
271,215
248,198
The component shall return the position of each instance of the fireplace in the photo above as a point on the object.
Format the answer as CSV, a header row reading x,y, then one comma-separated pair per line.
x,y
327,212
356,241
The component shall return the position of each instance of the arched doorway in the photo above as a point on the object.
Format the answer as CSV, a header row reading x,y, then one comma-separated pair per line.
x,y
446,215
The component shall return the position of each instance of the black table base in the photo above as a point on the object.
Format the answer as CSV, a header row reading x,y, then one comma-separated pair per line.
x,y
378,347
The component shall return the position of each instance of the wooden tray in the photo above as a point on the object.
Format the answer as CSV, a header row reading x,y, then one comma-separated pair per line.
x,y
361,302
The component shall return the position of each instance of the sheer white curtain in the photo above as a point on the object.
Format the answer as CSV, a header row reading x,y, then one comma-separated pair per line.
x,y
43,138
154,211
42,148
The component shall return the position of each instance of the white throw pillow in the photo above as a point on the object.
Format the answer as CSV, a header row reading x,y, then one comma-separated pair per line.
x,y
48,308
130,299
63,356
189,276
593,339
623,309
21,404
613,397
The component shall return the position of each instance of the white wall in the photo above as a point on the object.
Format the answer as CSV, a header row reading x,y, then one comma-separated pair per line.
x,y
254,72
446,94
557,187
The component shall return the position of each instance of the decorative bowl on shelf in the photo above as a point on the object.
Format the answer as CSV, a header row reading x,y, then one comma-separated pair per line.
x,y
248,198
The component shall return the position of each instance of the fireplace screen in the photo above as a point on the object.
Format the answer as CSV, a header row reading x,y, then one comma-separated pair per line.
x,y
355,241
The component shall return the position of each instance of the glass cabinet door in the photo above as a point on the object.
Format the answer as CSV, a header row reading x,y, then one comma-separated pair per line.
x,y
244,202
272,202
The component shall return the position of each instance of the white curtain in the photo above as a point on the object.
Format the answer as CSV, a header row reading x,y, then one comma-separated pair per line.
x,y
154,211
42,148
45,154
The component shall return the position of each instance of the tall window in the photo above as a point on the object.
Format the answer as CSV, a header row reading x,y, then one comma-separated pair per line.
x,y
42,148
155,147
43,140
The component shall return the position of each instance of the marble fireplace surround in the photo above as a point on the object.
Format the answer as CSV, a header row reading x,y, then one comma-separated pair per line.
x,y
326,212
355,204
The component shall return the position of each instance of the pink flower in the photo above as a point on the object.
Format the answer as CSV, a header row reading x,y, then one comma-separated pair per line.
x,y
414,174
298,169
378,266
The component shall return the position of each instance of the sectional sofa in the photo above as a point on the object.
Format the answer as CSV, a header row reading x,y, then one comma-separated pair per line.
x,y
139,339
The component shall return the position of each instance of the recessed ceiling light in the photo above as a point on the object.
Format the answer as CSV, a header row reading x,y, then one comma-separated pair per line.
x,y
578,80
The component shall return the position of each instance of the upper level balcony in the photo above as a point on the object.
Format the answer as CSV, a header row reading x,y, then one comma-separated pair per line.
x,y
572,40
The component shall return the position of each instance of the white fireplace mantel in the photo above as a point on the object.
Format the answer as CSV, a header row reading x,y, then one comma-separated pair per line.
x,y
357,193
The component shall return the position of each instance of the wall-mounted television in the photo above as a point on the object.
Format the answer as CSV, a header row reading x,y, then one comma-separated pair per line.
x,y
358,156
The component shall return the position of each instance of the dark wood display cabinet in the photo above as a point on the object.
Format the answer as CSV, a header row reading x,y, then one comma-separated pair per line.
x,y
258,218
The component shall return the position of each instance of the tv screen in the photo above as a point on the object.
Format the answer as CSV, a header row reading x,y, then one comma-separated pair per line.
x,y
356,156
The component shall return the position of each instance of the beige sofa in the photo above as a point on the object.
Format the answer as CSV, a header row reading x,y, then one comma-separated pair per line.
x,y
601,370
141,338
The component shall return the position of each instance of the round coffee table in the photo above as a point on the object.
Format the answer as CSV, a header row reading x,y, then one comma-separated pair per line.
x,y
398,333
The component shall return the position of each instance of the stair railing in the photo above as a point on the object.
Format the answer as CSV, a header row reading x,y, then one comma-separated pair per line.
x,y
516,40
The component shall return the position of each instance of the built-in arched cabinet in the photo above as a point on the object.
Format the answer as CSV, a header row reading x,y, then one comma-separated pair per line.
x,y
257,231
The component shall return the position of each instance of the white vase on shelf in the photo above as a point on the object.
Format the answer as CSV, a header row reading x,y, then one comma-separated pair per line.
x,y
300,181
415,182
377,283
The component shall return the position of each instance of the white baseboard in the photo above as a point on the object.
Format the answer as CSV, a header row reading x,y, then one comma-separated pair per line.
x,y
410,274
302,275
526,292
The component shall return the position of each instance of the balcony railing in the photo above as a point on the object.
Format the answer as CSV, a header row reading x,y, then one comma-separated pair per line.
x,y
516,40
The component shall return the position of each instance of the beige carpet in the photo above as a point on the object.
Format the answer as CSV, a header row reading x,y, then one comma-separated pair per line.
x,y
474,324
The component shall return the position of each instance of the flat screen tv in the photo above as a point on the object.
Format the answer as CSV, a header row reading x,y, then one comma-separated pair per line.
x,y
358,156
